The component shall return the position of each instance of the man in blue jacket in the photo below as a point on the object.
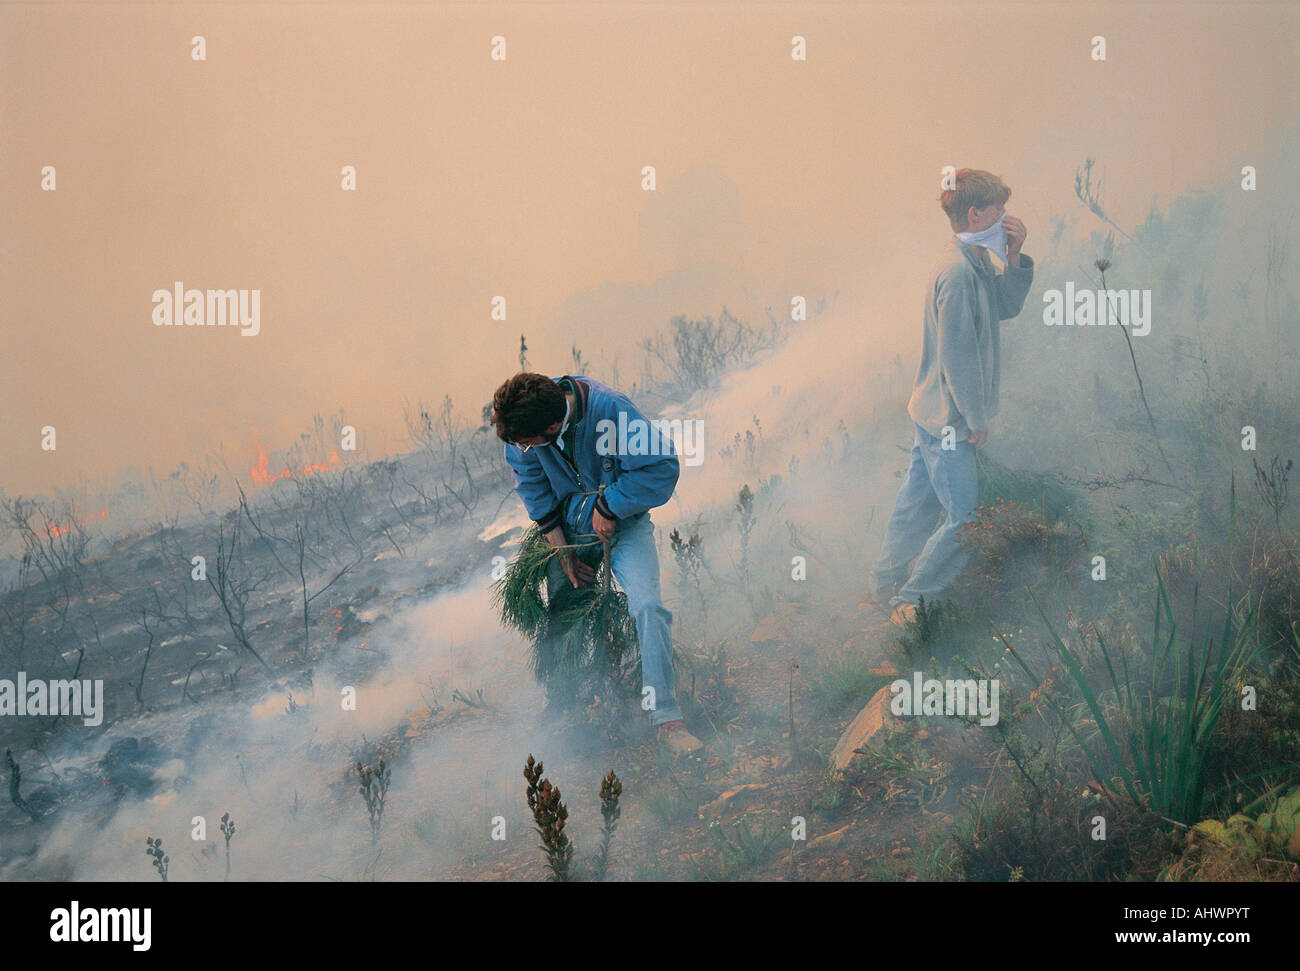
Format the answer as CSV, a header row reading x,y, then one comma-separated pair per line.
x,y
955,395
566,438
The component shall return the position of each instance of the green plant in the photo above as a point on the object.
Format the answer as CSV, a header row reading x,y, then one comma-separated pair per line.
x,y
844,677
1041,823
935,631
1276,831
833,796
1043,492
1243,847
909,771
738,847
934,858
669,802
1167,737
583,639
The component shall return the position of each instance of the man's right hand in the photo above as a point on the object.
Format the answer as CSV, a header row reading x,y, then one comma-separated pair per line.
x,y
579,573
978,437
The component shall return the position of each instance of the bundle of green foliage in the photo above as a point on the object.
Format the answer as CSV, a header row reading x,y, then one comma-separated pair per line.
x,y
583,639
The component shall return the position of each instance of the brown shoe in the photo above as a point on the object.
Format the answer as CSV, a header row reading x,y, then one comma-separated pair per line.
x,y
678,738
903,614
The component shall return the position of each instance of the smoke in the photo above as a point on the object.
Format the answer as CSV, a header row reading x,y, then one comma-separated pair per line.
x,y
817,430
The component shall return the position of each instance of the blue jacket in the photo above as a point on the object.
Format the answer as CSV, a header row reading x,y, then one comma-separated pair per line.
x,y
636,479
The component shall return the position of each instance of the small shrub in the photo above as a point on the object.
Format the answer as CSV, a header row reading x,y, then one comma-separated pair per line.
x,y
737,848
161,861
227,830
374,790
1244,847
1046,494
551,815
1011,545
937,631
1166,720
844,678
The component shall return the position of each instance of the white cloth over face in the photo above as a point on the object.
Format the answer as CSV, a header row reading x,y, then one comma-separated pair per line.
x,y
568,410
994,238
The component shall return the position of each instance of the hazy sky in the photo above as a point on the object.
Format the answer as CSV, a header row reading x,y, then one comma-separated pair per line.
x,y
522,178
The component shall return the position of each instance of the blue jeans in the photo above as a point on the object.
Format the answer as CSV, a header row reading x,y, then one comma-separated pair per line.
x,y
937,479
635,564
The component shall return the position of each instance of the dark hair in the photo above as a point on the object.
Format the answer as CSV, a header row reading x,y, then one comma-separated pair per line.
x,y
526,405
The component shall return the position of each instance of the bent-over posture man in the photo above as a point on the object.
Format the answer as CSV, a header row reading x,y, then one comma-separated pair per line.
x,y
955,395
554,443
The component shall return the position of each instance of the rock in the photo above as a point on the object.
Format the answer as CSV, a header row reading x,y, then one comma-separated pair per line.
x,y
770,630
870,720
831,840
732,800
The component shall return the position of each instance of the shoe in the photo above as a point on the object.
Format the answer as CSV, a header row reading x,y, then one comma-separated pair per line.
x,y
903,614
678,738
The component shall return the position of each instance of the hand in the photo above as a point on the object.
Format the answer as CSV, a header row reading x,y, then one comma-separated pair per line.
x,y
579,573
1016,233
604,527
978,437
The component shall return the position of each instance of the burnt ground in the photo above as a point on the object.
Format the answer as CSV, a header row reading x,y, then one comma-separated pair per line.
x,y
724,814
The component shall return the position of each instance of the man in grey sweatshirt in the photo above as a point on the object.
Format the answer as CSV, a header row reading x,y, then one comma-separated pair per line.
x,y
955,395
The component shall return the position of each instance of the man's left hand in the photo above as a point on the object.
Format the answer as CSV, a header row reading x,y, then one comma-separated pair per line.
x,y
1016,233
604,527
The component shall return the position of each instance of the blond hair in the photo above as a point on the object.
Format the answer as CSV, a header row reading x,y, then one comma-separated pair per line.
x,y
974,187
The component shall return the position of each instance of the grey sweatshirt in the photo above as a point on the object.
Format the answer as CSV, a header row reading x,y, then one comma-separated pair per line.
x,y
957,382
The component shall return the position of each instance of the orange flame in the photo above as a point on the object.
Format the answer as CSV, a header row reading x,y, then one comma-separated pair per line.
x,y
54,530
261,475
